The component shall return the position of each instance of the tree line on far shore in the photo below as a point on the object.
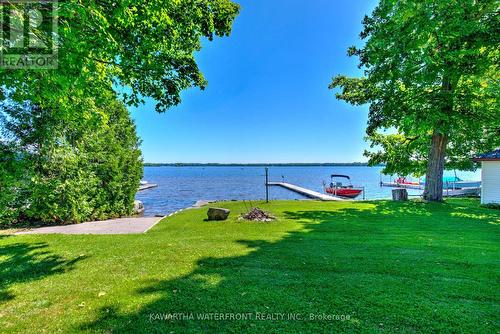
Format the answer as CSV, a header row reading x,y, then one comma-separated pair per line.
x,y
291,164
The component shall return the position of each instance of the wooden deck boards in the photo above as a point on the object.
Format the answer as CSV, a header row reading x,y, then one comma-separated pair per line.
x,y
306,192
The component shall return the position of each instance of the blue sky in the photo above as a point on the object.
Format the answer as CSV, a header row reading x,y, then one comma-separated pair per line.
x,y
267,98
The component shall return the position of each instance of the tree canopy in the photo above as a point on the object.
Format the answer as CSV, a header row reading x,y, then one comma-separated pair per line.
x,y
146,46
431,79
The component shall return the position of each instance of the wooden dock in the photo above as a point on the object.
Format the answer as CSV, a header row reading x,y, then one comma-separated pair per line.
x,y
147,186
402,185
306,192
447,192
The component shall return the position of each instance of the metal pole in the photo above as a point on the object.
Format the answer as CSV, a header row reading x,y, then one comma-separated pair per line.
x,y
267,185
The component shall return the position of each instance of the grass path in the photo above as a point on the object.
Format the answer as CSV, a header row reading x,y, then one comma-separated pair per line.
x,y
390,267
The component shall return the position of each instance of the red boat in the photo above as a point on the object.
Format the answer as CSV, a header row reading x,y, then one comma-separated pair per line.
x,y
337,188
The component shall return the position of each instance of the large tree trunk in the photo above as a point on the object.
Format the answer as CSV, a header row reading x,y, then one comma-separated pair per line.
x,y
435,168
435,164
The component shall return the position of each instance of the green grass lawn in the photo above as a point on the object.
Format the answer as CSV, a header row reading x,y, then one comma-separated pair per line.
x,y
383,266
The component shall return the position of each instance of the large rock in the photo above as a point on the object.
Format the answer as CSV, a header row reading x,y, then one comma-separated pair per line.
x,y
399,194
218,213
138,207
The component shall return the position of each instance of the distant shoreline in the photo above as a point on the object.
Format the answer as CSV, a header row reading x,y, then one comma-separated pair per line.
x,y
326,164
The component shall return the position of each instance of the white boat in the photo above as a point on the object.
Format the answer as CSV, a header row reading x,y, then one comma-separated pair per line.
x,y
466,191
462,184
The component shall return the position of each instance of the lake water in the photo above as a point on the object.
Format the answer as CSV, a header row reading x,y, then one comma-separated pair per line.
x,y
180,187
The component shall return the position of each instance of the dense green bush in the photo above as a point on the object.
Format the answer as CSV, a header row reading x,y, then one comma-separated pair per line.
x,y
59,168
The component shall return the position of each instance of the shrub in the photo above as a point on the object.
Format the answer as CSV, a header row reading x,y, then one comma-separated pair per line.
x,y
60,168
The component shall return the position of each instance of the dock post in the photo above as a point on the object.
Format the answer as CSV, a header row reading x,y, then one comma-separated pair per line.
x,y
267,185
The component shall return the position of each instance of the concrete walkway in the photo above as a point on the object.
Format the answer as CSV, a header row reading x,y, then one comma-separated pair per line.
x,y
111,226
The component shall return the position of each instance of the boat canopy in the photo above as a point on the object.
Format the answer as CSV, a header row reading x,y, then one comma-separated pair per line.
x,y
448,179
339,175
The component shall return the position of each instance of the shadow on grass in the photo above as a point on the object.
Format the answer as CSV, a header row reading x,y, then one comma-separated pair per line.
x,y
23,262
385,267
